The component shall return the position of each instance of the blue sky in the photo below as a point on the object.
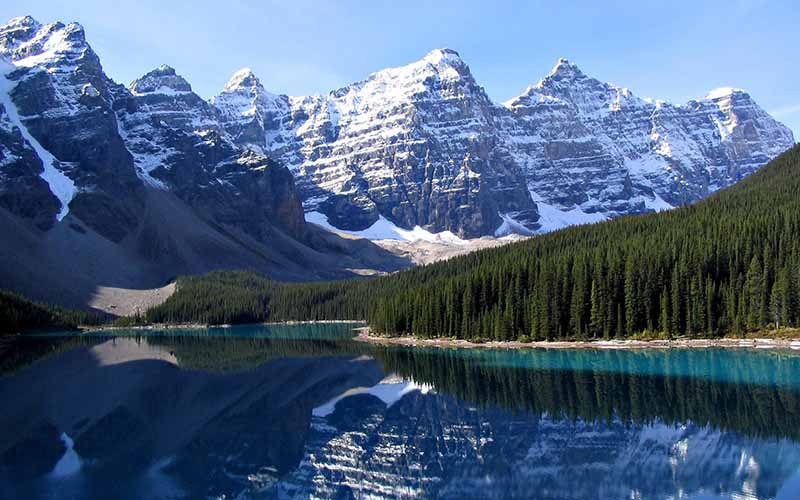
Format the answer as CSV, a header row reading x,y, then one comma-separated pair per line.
x,y
668,50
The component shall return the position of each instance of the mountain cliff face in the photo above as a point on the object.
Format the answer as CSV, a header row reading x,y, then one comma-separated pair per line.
x,y
58,114
418,145
136,185
93,143
424,145
598,148
179,144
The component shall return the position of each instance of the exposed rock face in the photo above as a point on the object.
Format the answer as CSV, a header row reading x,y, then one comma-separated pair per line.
x,y
24,192
57,98
594,146
179,144
246,108
137,184
67,127
417,144
423,145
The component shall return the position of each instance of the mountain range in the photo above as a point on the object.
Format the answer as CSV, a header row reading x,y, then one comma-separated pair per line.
x,y
127,187
114,187
424,145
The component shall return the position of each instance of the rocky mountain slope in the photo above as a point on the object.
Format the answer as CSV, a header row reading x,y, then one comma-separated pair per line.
x,y
587,145
128,187
423,145
415,144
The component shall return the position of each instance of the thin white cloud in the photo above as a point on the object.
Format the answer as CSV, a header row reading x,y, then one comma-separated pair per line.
x,y
785,111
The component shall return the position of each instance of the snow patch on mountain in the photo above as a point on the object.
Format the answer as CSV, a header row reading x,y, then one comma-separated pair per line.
x,y
162,80
657,203
554,218
511,226
238,79
721,92
61,186
146,159
383,229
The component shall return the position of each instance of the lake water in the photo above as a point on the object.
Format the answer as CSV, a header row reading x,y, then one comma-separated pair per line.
x,y
305,411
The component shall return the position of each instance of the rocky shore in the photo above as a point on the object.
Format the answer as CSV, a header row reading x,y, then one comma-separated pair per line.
x,y
364,335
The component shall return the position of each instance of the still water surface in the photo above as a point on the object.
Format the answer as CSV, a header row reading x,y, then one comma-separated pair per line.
x,y
304,411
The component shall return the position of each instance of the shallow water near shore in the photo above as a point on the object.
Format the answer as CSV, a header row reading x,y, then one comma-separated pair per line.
x,y
299,411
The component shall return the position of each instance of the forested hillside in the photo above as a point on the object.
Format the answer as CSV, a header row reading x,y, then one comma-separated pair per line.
x,y
229,297
18,314
728,265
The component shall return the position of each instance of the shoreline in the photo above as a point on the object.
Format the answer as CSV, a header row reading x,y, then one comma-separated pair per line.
x,y
754,343
363,334
199,326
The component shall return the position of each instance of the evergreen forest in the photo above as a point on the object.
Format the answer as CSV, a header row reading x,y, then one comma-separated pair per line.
x,y
728,265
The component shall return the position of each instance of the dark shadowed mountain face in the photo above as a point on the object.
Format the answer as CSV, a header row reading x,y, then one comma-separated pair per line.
x,y
104,185
110,143
304,412
65,154
178,144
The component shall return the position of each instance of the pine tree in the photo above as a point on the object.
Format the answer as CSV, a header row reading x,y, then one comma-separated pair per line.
x,y
754,294
598,307
664,323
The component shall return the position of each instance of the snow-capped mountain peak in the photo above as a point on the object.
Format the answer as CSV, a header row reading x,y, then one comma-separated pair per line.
x,y
415,145
437,65
443,56
19,28
161,80
244,107
244,78
400,142
28,43
722,93
564,69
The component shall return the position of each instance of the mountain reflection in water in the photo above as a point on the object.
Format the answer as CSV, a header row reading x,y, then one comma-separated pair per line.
x,y
304,411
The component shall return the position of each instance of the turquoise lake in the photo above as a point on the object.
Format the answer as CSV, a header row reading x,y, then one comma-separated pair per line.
x,y
305,411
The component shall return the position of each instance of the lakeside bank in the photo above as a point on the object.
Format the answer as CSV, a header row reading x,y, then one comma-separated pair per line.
x,y
364,335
